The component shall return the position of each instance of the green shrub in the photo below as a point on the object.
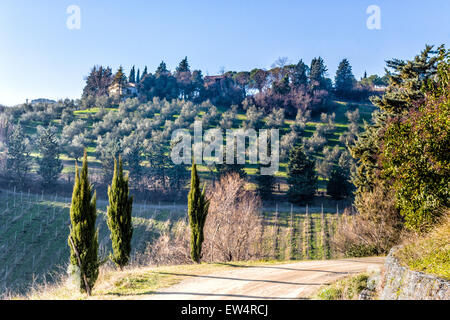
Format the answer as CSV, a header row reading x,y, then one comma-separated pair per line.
x,y
345,289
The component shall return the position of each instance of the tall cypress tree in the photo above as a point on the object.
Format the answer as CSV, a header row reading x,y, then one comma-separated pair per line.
x,y
132,76
198,207
144,73
83,237
119,216
138,76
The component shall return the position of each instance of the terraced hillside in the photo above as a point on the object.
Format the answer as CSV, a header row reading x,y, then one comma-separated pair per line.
x,y
144,131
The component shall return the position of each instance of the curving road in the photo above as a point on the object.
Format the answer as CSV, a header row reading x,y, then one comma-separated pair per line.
x,y
290,281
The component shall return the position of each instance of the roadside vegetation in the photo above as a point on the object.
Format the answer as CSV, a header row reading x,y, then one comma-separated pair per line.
x,y
403,166
430,253
131,282
345,289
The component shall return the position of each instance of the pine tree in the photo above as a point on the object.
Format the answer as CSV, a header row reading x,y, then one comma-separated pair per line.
x,y
302,178
265,184
50,166
132,76
317,73
406,82
83,237
225,168
415,149
344,80
178,176
183,66
282,87
300,74
403,92
120,79
18,159
119,216
161,70
339,186
98,82
198,207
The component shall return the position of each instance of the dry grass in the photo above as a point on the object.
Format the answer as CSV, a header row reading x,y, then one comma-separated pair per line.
x,y
430,253
345,289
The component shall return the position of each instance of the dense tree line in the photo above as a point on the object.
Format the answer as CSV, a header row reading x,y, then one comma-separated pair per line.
x,y
287,86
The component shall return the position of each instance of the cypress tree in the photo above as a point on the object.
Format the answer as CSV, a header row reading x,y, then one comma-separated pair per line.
x,y
302,178
119,216
138,76
144,73
198,207
132,76
83,237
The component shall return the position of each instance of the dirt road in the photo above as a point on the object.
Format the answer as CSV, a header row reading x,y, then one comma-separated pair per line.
x,y
290,281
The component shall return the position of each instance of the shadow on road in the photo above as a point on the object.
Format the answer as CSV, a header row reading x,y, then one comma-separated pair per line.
x,y
282,268
225,295
239,279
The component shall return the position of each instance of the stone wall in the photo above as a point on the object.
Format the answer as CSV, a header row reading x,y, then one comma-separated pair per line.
x,y
400,283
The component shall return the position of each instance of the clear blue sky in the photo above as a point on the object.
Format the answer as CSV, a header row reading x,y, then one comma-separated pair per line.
x,y
41,57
